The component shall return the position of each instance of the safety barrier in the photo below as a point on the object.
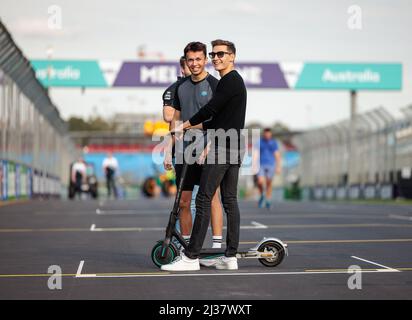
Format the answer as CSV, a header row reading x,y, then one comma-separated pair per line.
x,y
35,149
372,161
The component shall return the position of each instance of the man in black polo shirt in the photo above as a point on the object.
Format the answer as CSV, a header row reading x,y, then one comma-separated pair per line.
x,y
228,110
170,92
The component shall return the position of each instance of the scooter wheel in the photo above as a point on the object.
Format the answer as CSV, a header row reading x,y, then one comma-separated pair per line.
x,y
276,248
169,255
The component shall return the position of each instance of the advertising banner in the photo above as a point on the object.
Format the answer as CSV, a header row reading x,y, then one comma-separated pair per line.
x,y
354,192
369,192
29,182
36,182
341,193
330,193
11,180
162,74
17,180
351,76
23,183
386,192
69,73
319,193
3,180
277,75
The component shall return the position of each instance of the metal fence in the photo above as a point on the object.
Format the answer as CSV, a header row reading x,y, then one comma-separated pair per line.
x,y
35,149
368,158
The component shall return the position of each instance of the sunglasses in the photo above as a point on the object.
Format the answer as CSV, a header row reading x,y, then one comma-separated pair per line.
x,y
219,54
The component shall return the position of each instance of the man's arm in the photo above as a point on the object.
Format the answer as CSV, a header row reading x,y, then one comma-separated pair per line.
x,y
176,118
168,113
278,158
198,126
224,92
167,162
168,103
255,159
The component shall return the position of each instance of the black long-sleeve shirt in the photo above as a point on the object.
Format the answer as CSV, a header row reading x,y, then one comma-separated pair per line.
x,y
227,108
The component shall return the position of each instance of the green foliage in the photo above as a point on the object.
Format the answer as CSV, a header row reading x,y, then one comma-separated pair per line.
x,y
93,124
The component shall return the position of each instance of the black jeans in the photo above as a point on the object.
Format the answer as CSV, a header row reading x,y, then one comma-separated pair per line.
x,y
111,184
213,175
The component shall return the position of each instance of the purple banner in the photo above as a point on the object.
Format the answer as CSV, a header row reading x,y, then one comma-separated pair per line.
x,y
150,74
262,75
161,74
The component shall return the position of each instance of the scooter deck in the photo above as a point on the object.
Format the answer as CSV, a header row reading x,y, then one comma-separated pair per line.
x,y
254,254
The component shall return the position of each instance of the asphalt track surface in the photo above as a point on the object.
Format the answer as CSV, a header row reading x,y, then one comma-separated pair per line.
x,y
103,249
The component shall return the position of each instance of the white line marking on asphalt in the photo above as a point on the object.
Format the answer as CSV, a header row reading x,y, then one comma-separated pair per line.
x,y
230,274
255,225
377,264
79,272
395,216
258,225
120,212
79,269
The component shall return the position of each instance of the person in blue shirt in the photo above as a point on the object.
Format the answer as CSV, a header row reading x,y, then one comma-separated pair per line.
x,y
269,165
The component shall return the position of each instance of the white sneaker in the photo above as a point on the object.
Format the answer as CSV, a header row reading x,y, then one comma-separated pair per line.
x,y
226,263
208,262
182,263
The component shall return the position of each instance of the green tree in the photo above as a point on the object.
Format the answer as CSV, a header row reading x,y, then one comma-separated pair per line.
x,y
77,124
96,123
99,124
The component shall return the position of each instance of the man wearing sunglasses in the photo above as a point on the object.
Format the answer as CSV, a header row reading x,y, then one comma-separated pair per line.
x,y
227,109
192,93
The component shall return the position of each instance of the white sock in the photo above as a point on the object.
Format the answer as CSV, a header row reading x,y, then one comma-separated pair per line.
x,y
217,242
186,238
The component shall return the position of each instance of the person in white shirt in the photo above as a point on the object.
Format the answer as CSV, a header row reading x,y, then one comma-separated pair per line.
x,y
110,167
78,175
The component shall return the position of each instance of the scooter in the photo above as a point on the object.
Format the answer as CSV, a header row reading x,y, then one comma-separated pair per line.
x,y
269,251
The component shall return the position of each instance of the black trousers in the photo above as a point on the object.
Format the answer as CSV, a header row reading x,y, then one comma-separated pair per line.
x,y
111,184
213,175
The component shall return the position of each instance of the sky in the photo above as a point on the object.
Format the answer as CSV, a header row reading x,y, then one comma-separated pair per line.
x,y
263,31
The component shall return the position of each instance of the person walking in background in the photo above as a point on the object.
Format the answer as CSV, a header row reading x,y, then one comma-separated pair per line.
x,y
269,165
110,168
78,176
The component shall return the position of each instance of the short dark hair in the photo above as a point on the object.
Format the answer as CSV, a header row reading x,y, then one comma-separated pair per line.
x,y
230,45
195,46
182,62
267,130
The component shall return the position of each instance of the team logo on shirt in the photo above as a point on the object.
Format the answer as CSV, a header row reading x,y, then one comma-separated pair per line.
x,y
203,93
168,95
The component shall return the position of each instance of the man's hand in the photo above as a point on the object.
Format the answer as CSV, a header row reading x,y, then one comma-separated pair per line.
x,y
203,155
179,130
167,162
